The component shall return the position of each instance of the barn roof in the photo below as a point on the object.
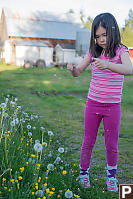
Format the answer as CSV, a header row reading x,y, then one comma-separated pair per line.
x,y
40,25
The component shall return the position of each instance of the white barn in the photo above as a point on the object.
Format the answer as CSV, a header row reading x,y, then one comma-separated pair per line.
x,y
36,37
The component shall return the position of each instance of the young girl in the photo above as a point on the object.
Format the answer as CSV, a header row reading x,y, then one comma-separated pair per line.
x,y
110,62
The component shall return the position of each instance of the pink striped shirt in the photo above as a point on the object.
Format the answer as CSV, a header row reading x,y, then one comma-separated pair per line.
x,y
106,86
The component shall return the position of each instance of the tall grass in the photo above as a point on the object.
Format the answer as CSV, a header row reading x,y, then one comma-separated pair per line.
x,y
52,100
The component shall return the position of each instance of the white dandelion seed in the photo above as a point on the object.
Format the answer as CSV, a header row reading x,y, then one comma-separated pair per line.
x,y
3,105
61,150
38,147
50,133
34,128
50,167
68,194
28,126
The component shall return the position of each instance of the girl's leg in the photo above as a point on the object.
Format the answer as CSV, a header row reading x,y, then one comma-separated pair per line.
x,y
111,121
91,125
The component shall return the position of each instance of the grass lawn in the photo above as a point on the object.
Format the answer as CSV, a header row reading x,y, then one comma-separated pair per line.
x,y
60,101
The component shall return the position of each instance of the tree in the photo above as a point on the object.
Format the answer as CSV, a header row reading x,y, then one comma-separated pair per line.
x,y
127,30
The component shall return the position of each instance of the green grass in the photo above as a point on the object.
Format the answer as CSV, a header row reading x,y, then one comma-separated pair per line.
x,y
59,100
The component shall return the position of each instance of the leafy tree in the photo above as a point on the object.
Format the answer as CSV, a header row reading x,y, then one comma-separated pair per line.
x,y
127,30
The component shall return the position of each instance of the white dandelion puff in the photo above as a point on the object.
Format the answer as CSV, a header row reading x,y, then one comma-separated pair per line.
x,y
50,133
50,167
28,126
58,159
37,141
12,123
38,147
39,193
29,134
61,150
3,105
42,128
16,120
68,194
5,115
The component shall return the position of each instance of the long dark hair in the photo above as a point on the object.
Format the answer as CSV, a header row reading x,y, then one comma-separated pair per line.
x,y
107,21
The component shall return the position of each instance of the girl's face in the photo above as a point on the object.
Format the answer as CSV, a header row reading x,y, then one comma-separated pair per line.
x,y
101,37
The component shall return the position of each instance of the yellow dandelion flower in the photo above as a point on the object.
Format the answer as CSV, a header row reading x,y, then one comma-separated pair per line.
x,y
53,189
64,172
5,187
12,181
20,177
36,187
4,179
61,161
47,190
7,135
51,193
33,155
33,193
45,184
27,144
0,192
76,196
9,132
16,181
18,186
22,169
9,190
36,184
44,197
59,196
27,163
46,178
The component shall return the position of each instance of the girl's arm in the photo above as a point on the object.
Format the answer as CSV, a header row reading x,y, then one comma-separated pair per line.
x,y
81,66
125,68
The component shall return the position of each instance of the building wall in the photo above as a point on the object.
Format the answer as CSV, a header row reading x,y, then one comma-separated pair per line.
x,y
33,53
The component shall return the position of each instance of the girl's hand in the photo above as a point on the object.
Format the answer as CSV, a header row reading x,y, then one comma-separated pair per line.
x,y
70,67
101,64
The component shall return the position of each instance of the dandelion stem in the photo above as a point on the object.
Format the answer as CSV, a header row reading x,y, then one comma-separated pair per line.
x,y
9,169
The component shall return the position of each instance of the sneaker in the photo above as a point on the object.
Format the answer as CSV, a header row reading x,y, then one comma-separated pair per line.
x,y
112,184
84,180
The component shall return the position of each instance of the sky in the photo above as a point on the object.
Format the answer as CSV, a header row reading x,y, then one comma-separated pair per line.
x,y
119,8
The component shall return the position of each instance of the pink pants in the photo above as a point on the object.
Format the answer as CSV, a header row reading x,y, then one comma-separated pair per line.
x,y
110,113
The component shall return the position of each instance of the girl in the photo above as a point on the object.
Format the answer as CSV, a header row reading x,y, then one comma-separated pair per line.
x,y
110,62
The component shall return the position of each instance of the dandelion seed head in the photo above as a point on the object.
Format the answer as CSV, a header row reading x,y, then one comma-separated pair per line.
x,y
39,193
50,167
68,194
50,133
61,150
28,126
38,147
3,105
